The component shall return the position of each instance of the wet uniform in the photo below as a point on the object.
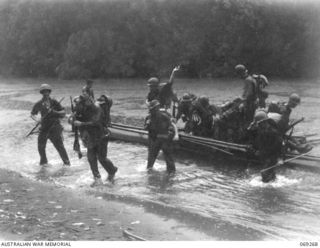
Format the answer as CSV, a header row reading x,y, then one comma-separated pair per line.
x,y
283,126
268,143
93,135
161,133
206,113
284,111
51,128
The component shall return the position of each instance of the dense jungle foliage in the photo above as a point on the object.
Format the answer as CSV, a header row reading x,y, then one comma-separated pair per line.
x,y
139,38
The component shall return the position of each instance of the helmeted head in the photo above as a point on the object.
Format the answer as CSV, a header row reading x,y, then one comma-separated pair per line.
x,y
260,116
294,100
45,88
103,99
154,105
186,98
153,82
241,70
204,101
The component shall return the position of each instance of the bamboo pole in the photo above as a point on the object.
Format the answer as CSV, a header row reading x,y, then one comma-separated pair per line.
x,y
224,145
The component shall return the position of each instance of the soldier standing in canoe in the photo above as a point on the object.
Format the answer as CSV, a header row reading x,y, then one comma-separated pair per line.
x,y
162,92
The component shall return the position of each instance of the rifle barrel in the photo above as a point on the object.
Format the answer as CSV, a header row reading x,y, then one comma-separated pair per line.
x,y
38,124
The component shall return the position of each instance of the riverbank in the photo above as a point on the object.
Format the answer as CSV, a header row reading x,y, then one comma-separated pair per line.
x,y
30,210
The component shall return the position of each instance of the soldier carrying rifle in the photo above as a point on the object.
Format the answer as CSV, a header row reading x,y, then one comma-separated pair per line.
x,y
50,127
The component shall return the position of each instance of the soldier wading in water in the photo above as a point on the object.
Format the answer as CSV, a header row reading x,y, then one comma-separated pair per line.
x,y
267,143
51,111
92,122
161,134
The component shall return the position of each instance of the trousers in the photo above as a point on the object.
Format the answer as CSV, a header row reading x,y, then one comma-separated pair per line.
x,y
99,153
54,134
157,144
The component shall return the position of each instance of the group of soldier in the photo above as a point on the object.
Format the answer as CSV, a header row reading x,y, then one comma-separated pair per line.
x,y
90,117
247,119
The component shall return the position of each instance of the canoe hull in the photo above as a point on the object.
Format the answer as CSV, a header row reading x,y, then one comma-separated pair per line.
x,y
138,135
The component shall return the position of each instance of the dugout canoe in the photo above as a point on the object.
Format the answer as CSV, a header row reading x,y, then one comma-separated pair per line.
x,y
201,145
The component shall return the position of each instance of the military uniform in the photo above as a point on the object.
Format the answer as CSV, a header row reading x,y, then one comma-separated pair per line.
x,y
89,91
262,95
284,110
231,122
185,109
205,112
50,129
249,96
164,94
268,143
94,136
161,133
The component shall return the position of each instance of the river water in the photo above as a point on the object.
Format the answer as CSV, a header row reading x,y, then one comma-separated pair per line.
x,y
223,199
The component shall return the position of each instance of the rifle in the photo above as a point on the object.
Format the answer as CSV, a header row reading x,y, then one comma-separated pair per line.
x,y
174,108
76,144
293,124
38,124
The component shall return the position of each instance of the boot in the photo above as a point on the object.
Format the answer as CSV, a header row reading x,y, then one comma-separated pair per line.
x,y
111,176
97,182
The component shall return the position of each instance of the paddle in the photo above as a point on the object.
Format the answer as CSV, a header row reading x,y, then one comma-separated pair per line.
x,y
285,161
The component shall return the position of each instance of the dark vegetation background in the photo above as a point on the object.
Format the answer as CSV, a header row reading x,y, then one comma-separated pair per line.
x,y
139,38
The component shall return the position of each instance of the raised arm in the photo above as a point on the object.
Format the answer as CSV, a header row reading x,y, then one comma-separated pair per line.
x,y
177,68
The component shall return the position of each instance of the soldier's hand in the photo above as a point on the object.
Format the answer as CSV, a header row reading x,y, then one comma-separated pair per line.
x,y
177,68
77,123
71,119
280,162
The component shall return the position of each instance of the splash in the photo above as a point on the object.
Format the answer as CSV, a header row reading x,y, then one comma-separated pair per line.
x,y
281,181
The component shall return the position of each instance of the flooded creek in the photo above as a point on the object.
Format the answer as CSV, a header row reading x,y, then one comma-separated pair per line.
x,y
224,200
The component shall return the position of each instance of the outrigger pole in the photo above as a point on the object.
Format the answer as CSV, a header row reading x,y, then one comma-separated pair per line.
x,y
286,161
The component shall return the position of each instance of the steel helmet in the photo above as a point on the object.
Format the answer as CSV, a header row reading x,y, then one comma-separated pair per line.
x,y
153,104
153,81
260,116
295,98
204,100
105,99
45,87
240,69
186,98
